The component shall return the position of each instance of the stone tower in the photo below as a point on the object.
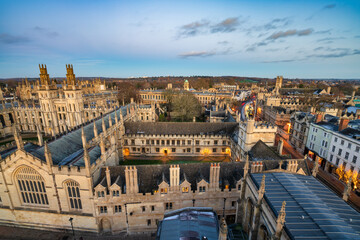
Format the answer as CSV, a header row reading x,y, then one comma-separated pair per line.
x,y
47,94
74,99
44,76
70,76
186,85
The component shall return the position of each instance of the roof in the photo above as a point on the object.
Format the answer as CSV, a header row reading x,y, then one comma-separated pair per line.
x,y
68,148
312,210
189,223
260,151
192,128
150,176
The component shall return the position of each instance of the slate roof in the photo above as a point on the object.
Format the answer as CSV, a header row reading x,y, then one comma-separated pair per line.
x,y
188,128
260,151
312,210
68,148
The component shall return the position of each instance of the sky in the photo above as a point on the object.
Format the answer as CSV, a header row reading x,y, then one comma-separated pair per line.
x,y
296,39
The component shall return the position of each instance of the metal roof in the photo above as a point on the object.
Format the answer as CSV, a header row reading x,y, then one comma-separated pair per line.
x,y
189,223
312,210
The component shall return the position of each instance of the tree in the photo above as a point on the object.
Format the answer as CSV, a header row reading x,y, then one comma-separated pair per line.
x,y
126,91
186,106
169,95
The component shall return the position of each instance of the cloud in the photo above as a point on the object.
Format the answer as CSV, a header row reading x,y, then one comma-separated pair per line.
x,y
193,28
318,48
204,27
358,36
45,32
223,42
329,39
330,6
282,61
276,23
227,25
10,39
337,53
289,33
250,49
196,54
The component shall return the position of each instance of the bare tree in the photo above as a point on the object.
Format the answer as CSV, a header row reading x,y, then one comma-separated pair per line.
x,y
186,106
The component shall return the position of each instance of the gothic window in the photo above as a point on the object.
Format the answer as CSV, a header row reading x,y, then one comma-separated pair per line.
x,y
73,192
31,187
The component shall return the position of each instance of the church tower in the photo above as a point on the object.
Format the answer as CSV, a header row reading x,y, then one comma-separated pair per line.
x,y
48,92
74,99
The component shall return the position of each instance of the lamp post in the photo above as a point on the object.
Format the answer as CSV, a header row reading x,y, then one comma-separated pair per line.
x,y
72,227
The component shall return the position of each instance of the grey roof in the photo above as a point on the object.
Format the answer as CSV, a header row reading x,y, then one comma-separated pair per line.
x,y
260,151
189,128
68,149
312,210
189,223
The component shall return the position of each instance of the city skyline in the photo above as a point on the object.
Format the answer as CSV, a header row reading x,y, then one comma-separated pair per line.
x,y
121,39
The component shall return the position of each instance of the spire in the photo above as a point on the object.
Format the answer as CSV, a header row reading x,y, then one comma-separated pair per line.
x,y
18,139
108,179
280,222
103,125
102,145
110,121
87,160
246,167
83,137
39,136
347,190
48,157
316,167
261,190
95,130
116,118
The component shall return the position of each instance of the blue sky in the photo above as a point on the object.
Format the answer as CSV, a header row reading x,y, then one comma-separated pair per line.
x,y
304,39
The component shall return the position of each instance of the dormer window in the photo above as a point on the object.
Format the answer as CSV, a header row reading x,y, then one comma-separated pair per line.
x,y
185,189
201,189
116,193
101,194
163,190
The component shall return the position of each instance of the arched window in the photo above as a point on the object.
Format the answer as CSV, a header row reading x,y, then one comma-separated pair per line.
x,y
31,186
73,192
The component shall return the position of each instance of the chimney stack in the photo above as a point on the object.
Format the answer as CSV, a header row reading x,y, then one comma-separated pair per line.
x,y
319,117
343,123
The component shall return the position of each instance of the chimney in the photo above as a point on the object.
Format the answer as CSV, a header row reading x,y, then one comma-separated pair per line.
x,y
343,123
319,118
131,180
214,175
108,179
328,90
280,146
174,176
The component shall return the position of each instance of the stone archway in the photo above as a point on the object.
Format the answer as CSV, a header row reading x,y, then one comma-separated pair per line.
x,y
105,225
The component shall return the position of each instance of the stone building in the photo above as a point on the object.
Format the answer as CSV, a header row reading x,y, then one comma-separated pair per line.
x,y
57,108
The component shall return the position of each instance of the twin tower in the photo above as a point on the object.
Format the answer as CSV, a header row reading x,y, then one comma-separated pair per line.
x,y
45,79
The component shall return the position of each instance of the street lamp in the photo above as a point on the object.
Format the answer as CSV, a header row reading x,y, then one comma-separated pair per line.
x,y
72,227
